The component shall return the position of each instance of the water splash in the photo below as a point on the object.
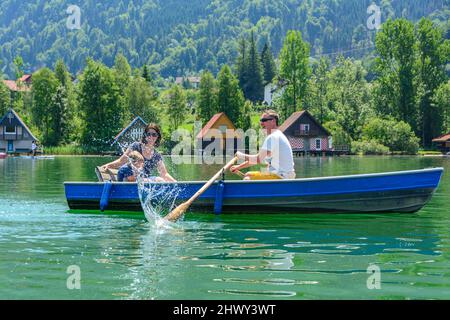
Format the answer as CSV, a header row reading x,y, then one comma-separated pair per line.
x,y
157,198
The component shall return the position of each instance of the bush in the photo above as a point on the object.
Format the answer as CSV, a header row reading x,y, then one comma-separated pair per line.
x,y
397,136
369,147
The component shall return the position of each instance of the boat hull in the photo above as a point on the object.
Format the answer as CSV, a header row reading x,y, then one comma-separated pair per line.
x,y
404,191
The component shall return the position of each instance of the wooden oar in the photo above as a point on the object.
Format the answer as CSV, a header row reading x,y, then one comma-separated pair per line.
x,y
176,213
240,173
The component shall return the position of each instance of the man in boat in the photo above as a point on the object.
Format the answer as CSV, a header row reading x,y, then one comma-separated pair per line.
x,y
276,151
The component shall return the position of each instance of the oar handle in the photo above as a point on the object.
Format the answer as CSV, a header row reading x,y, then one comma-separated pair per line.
x,y
239,173
212,180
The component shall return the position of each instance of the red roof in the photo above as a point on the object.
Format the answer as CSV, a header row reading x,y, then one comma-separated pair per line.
x,y
12,85
25,77
295,116
209,125
443,138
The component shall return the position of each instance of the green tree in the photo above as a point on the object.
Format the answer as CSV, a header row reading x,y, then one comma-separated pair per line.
x,y
268,62
348,96
230,98
59,110
66,103
45,85
207,97
176,106
122,71
146,74
254,88
102,113
242,64
294,69
395,67
142,100
434,54
5,98
441,101
18,64
245,121
318,88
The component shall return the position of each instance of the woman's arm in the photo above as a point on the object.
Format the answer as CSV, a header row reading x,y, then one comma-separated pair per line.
x,y
163,172
119,162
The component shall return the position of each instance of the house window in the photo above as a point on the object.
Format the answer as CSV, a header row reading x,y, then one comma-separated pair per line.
x,y
318,144
136,133
304,128
10,129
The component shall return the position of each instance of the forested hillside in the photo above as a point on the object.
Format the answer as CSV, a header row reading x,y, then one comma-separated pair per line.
x,y
180,37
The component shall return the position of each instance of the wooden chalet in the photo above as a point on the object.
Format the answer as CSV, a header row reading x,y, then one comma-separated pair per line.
x,y
15,136
23,85
131,133
306,135
219,127
194,82
443,142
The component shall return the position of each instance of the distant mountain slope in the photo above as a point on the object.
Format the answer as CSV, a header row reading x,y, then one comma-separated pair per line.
x,y
185,36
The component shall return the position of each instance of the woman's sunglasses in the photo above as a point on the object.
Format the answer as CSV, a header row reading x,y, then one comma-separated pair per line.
x,y
151,134
265,119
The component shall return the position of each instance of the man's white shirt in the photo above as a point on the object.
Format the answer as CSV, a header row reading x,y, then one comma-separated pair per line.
x,y
281,161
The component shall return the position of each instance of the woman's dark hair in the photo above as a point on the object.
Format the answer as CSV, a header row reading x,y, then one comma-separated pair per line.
x,y
147,129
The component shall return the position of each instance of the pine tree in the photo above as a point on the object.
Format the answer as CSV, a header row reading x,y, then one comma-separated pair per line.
x,y
176,106
146,74
241,64
269,66
59,111
255,86
230,98
207,97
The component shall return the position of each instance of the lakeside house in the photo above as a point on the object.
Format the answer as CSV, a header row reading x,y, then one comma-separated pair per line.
x,y
15,136
23,85
131,133
306,135
443,142
193,82
220,132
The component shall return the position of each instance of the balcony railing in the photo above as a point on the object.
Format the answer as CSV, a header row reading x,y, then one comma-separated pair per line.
x,y
302,132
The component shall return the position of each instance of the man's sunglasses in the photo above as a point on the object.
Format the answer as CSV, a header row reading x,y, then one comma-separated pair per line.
x,y
265,119
151,134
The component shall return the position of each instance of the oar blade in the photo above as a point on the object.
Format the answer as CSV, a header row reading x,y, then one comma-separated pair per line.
x,y
176,213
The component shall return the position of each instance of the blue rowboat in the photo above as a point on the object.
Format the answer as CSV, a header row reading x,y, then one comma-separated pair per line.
x,y
402,191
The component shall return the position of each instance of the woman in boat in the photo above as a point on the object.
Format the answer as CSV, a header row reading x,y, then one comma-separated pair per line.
x,y
276,152
151,139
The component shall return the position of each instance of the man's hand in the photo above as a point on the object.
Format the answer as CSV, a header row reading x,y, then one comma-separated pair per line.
x,y
240,155
233,169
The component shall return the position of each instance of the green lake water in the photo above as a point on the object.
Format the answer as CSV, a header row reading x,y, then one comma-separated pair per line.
x,y
231,256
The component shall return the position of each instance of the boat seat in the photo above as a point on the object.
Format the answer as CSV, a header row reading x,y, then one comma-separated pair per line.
x,y
106,175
